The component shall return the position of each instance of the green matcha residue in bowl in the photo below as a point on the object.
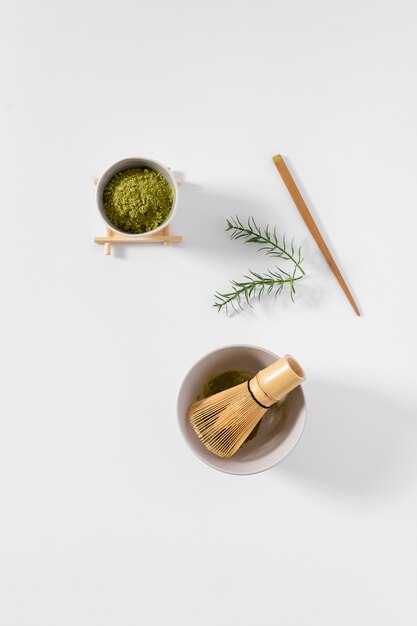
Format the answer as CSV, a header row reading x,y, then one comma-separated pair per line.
x,y
137,200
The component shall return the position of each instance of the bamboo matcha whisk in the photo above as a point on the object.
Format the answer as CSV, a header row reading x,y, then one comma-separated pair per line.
x,y
224,421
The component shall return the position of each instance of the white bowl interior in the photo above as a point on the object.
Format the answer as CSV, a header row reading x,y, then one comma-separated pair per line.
x,y
277,434
126,164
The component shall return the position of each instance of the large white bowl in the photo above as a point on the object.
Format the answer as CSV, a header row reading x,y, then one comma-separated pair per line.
x,y
126,164
276,436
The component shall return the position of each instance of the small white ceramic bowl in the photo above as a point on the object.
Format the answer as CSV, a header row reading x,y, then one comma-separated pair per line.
x,y
126,164
277,435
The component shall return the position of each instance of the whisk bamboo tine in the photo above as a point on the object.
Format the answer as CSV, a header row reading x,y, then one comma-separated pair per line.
x,y
224,421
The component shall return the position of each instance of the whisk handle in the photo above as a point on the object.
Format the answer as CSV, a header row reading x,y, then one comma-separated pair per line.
x,y
277,380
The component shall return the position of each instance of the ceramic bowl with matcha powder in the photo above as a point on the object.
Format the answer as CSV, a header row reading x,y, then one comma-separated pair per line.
x,y
137,197
279,429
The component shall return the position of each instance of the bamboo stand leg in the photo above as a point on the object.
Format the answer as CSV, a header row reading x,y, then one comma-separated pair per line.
x,y
167,231
107,245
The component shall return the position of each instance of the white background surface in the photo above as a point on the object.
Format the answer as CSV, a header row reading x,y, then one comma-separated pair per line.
x,y
106,517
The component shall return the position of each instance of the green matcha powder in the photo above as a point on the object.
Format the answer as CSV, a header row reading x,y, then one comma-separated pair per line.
x,y
137,200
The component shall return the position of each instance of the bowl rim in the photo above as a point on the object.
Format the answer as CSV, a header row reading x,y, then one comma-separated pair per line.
x,y
167,175
181,421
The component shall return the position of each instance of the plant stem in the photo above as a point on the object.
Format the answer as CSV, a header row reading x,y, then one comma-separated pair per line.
x,y
253,234
251,288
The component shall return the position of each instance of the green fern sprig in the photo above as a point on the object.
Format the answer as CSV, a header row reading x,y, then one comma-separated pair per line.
x,y
256,285
267,239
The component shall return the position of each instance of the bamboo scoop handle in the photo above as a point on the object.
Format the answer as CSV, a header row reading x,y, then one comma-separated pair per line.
x,y
275,381
312,226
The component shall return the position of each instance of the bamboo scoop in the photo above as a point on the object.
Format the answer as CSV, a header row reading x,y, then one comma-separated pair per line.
x,y
312,226
224,421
